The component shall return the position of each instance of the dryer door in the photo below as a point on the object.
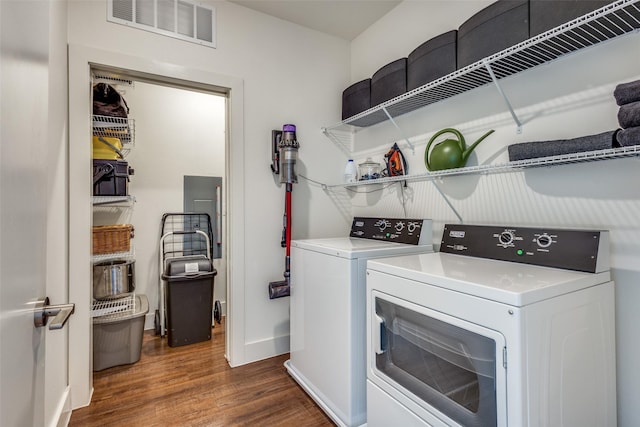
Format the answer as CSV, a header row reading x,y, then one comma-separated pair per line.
x,y
452,368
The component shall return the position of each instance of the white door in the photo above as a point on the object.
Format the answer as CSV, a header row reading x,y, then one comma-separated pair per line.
x,y
24,175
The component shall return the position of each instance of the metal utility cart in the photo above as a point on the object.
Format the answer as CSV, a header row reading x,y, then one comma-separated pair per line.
x,y
186,279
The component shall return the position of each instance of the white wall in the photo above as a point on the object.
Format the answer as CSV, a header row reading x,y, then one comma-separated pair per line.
x,y
178,132
404,28
291,75
568,98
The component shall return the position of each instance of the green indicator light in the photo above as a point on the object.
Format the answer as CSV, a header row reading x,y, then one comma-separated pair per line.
x,y
388,234
520,252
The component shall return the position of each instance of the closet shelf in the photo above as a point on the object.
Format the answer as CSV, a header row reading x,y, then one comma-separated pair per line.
x,y
115,256
114,308
121,201
613,20
587,156
115,127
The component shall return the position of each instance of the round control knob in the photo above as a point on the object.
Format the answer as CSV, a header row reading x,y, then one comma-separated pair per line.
x,y
544,241
399,226
412,227
506,237
382,225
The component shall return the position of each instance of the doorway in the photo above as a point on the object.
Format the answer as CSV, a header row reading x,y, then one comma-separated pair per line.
x,y
177,132
81,61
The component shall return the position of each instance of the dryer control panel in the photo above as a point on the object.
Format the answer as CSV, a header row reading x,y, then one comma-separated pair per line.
x,y
581,250
398,230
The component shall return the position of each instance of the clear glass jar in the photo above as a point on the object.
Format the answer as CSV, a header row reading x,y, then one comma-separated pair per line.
x,y
369,170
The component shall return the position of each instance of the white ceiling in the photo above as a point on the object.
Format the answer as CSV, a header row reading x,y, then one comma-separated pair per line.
x,y
342,18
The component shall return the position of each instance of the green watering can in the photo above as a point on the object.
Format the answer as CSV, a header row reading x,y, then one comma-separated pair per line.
x,y
450,153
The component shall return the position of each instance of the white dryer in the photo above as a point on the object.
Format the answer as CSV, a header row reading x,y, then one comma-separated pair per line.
x,y
327,356
505,326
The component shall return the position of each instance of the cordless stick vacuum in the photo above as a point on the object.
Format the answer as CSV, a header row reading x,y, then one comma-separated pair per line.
x,y
285,150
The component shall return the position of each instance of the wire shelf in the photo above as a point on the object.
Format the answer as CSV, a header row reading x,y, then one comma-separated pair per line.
x,y
587,156
113,256
123,201
611,21
114,308
112,78
115,127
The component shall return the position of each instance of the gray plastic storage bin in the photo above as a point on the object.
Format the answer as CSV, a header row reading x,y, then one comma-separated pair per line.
x,y
189,299
496,27
356,98
389,81
431,60
117,338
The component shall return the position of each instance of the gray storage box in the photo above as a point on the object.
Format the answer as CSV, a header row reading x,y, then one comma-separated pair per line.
x,y
117,338
189,299
431,60
548,14
356,98
500,25
389,81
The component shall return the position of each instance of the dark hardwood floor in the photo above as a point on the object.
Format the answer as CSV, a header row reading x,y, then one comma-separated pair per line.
x,y
193,385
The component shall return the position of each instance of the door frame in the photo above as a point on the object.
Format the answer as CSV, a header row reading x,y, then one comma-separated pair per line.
x,y
81,60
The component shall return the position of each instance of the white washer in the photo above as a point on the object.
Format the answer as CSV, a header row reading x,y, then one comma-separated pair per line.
x,y
328,331
526,338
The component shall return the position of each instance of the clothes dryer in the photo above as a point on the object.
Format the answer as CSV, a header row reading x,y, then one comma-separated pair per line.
x,y
505,326
328,338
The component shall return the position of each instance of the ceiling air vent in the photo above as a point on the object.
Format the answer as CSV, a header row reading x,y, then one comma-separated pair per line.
x,y
180,19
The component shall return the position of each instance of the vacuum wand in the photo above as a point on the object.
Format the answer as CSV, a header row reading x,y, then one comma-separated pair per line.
x,y
288,147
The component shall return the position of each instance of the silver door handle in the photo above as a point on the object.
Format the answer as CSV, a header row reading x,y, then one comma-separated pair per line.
x,y
43,311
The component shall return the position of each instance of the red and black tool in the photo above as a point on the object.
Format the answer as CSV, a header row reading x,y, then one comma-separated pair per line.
x,y
286,154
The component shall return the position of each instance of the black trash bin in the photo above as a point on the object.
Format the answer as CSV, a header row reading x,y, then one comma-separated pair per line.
x,y
189,299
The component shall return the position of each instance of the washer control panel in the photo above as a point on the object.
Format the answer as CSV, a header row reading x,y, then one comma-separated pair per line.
x,y
581,250
403,230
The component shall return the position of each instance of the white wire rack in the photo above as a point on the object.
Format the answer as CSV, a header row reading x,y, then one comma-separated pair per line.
x,y
115,127
586,156
114,308
119,201
112,256
613,20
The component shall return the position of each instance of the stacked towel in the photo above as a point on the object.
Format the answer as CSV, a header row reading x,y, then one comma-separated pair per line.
x,y
627,137
626,93
629,115
532,150
627,96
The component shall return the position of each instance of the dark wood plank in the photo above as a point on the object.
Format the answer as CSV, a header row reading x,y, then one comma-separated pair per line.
x,y
194,385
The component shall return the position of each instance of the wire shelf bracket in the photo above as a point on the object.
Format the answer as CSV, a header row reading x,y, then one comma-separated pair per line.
x,y
413,150
504,96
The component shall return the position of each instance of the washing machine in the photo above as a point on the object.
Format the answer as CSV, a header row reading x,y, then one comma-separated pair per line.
x,y
328,331
504,326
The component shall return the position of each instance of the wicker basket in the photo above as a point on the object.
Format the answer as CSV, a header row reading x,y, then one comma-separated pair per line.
x,y
112,238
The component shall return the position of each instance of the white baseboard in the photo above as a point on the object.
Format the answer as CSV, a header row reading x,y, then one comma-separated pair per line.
x,y
264,349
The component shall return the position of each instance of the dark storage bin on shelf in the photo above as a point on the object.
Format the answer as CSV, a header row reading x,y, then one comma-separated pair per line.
x,y
111,177
389,81
501,25
189,299
356,98
117,338
431,60
546,14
